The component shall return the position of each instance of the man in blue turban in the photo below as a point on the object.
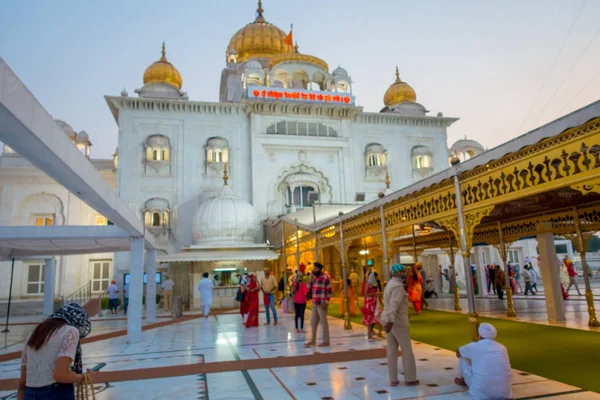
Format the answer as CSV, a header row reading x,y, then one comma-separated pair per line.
x,y
395,321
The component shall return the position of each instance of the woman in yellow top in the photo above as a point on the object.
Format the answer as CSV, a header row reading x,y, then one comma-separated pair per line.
x,y
351,300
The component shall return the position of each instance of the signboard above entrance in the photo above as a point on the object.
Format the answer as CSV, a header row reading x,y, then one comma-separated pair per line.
x,y
309,96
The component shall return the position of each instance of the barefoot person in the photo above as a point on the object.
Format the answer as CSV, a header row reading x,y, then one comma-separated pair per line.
x,y
205,287
320,291
395,321
484,367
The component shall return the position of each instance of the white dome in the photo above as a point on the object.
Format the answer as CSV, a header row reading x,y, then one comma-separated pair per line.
x,y
68,129
225,219
253,64
83,137
339,71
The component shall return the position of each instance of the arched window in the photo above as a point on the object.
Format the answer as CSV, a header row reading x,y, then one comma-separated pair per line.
x,y
155,219
157,215
158,151
217,151
421,157
300,196
375,155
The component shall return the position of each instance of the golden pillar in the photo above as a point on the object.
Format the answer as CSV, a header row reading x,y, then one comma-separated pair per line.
x,y
581,247
510,305
347,323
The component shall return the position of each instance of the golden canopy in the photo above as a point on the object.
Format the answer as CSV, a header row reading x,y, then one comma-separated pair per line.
x,y
258,39
399,92
163,71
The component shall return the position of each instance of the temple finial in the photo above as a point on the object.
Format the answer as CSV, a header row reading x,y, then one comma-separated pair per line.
x,y
296,47
225,176
387,179
259,12
397,75
164,52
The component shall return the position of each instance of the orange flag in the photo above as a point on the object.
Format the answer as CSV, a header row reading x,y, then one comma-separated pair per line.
x,y
288,39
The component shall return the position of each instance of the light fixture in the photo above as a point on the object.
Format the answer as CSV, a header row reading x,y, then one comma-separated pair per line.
x,y
363,252
359,197
225,269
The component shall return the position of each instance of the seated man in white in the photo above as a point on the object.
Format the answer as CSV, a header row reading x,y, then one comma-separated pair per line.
x,y
484,367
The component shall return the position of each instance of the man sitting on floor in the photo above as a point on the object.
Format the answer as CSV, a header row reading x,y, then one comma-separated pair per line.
x,y
484,367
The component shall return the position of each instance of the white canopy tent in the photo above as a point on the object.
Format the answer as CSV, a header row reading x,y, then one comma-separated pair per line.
x,y
31,131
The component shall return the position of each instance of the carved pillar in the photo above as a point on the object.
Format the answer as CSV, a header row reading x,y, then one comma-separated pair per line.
x,y
503,250
581,242
386,260
347,323
550,270
450,250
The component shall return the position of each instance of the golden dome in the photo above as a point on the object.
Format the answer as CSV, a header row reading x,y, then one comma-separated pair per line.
x,y
163,71
259,39
295,56
399,92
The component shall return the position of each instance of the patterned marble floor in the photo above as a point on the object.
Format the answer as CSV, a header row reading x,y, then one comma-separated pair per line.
x,y
223,338
532,309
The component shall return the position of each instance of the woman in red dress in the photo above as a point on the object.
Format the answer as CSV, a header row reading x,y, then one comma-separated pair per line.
x,y
415,288
252,299
368,311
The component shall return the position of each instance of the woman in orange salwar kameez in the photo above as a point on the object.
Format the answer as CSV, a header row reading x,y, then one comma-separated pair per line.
x,y
252,299
351,300
415,287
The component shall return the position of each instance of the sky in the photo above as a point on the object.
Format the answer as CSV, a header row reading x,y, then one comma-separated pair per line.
x,y
502,67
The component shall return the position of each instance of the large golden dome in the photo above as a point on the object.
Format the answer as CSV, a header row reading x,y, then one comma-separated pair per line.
x,y
399,92
258,39
163,71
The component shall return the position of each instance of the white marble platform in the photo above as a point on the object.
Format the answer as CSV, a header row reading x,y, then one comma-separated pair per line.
x,y
223,338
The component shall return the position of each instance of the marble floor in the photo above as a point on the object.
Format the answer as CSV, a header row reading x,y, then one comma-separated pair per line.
x,y
223,338
529,309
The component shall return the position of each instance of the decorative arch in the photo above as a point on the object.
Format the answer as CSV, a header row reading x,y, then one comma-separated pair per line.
x,y
300,175
41,204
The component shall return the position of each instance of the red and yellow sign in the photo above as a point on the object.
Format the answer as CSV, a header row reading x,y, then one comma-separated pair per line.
x,y
299,95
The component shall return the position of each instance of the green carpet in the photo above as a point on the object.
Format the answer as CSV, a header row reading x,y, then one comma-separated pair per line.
x,y
566,355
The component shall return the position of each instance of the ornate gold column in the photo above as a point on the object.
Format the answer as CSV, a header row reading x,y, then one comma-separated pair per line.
x,y
581,242
465,241
452,277
386,260
347,323
503,249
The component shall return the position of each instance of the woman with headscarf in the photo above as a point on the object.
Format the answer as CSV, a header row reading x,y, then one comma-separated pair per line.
x,y
368,311
244,297
414,282
51,349
252,299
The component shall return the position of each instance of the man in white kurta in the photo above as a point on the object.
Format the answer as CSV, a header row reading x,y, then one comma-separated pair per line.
x,y
395,321
205,287
484,367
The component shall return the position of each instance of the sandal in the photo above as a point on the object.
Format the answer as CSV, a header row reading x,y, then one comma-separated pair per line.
x,y
394,384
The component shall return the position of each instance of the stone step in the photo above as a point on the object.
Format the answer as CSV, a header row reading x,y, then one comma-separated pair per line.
x,y
22,308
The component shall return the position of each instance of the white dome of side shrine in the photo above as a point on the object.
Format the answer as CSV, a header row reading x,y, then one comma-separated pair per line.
x,y
225,220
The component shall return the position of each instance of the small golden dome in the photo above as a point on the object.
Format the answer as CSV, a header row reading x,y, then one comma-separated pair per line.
x,y
399,92
258,39
163,71
297,57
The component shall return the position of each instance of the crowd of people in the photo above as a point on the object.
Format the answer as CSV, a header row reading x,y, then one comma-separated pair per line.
x,y
52,358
